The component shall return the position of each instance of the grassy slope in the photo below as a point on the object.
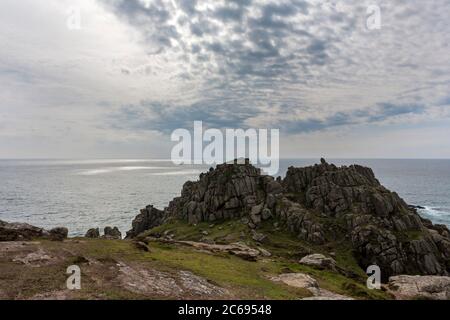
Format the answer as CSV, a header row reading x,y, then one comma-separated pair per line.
x,y
244,279
286,250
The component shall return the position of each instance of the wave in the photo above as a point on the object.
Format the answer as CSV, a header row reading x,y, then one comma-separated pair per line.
x,y
115,169
435,212
176,173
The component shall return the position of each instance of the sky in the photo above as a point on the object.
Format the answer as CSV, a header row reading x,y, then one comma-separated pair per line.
x,y
114,78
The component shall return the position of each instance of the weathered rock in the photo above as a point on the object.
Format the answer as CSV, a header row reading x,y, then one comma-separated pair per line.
x,y
328,295
20,231
58,234
259,237
304,281
266,214
148,218
320,204
299,280
112,233
180,285
238,249
381,227
416,287
93,233
36,259
318,260
264,252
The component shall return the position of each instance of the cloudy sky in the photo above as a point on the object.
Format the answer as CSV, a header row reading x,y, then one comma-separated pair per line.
x,y
136,70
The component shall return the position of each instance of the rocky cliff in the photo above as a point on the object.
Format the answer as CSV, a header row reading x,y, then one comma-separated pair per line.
x,y
323,205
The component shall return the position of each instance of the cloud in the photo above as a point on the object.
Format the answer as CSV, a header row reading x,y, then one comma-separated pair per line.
x,y
149,116
139,68
383,112
292,48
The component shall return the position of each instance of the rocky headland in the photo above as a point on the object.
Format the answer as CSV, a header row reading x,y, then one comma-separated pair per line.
x,y
237,233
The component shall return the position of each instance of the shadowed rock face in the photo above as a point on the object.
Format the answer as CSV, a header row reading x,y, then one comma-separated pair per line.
x,y
381,227
148,218
322,204
20,231
24,232
229,191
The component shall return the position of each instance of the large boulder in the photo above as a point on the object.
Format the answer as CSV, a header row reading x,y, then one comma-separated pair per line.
x,y
17,231
148,218
299,280
112,233
20,231
58,234
318,260
420,287
92,233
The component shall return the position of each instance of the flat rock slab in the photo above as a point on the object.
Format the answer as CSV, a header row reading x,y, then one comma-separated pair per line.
x,y
328,295
302,280
238,249
427,287
318,260
37,258
181,285
299,280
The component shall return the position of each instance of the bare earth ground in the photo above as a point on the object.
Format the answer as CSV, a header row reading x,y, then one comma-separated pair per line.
x,y
37,270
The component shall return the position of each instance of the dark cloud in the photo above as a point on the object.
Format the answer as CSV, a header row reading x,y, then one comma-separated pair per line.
x,y
384,111
151,19
166,118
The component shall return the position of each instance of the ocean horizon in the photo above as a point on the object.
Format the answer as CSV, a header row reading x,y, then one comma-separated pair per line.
x,y
89,193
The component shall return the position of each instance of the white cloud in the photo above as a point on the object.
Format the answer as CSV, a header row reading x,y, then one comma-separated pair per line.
x,y
137,69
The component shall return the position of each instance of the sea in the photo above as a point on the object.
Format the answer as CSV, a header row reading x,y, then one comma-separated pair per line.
x,y
84,194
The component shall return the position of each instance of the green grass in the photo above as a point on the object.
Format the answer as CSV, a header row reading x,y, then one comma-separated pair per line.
x,y
249,280
243,279
286,251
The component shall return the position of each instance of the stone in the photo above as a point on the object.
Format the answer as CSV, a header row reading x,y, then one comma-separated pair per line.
x,y
420,287
318,260
112,233
20,231
299,280
264,252
266,214
148,218
259,237
92,233
328,295
238,249
58,234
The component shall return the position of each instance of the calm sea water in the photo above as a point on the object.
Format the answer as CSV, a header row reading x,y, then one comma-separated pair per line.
x,y
82,194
